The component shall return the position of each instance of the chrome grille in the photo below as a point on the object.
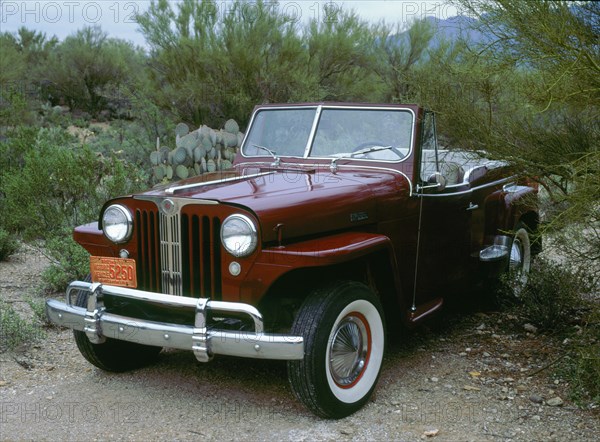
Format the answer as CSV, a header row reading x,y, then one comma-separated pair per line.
x,y
148,264
179,254
170,250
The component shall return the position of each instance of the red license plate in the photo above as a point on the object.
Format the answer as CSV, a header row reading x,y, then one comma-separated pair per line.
x,y
113,271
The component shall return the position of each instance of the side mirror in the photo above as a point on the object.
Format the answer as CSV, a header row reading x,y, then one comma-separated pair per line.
x,y
438,180
435,181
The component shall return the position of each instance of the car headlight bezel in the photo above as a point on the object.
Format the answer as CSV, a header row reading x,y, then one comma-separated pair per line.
x,y
126,225
243,244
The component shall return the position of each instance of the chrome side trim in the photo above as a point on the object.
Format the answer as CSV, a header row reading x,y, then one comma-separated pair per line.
x,y
199,337
465,192
173,190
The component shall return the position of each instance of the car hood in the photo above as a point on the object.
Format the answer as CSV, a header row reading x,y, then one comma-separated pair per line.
x,y
298,202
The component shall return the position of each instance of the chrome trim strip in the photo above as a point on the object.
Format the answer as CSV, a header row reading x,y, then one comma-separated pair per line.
x,y
179,201
199,338
313,132
465,192
326,169
172,190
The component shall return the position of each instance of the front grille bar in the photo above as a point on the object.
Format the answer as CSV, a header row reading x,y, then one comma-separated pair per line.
x,y
170,247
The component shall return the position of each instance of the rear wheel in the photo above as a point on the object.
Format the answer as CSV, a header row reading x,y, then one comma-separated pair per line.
x,y
344,339
113,354
519,258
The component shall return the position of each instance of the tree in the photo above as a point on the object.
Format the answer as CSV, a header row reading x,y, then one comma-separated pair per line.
x,y
87,69
552,128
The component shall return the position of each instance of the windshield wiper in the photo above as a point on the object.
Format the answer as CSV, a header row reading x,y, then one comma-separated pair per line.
x,y
369,150
276,159
333,166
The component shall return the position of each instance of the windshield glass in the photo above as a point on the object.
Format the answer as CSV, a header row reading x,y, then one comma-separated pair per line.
x,y
282,131
376,134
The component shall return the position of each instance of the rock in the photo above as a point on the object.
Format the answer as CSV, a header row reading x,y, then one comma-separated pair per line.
x,y
536,398
486,354
480,327
346,431
3,383
462,353
468,349
434,379
530,328
471,388
554,402
521,388
431,433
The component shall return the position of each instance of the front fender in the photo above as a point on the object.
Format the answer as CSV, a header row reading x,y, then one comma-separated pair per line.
x,y
274,262
334,249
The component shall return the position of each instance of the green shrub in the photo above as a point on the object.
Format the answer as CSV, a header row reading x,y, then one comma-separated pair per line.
x,y
8,244
552,296
38,306
61,184
15,330
70,261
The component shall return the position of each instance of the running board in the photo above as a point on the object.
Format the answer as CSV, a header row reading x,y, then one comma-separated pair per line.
x,y
424,310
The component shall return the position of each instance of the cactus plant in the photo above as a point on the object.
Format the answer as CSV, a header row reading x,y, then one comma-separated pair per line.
x,y
226,164
211,165
189,142
159,172
181,171
198,169
232,127
199,152
169,172
203,165
179,156
155,158
164,153
228,153
181,130
240,139
229,139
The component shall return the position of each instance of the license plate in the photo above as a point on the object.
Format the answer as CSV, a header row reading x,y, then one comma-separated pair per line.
x,y
113,271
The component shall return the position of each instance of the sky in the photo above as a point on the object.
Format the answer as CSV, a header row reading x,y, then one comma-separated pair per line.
x,y
64,17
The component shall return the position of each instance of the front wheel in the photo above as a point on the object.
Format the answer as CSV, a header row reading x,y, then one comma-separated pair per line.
x,y
344,340
113,355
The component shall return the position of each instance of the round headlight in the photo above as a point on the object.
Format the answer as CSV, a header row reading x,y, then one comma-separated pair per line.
x,y
117,223
238,235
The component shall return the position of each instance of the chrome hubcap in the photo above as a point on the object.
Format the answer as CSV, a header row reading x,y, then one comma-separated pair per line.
x,y
349,351
516,256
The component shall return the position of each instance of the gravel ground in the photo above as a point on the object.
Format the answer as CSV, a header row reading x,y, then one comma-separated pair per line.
x,y
474,377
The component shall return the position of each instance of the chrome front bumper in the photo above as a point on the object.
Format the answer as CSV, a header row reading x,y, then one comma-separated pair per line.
x,y
98,324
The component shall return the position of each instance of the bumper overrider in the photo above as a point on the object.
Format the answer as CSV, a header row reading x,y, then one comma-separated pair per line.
x,y
203,340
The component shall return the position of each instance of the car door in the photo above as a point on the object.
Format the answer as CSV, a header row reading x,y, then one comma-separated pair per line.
x,y
444,234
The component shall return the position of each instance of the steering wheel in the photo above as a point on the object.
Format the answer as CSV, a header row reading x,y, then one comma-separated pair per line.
x,y
378,143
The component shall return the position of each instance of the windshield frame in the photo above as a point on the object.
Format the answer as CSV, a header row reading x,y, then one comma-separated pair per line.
x,y
317,117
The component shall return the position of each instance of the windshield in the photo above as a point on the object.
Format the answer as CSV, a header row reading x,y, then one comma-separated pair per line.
x,y
376,134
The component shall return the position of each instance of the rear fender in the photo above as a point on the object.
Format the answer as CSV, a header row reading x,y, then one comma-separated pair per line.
x,y
504,208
